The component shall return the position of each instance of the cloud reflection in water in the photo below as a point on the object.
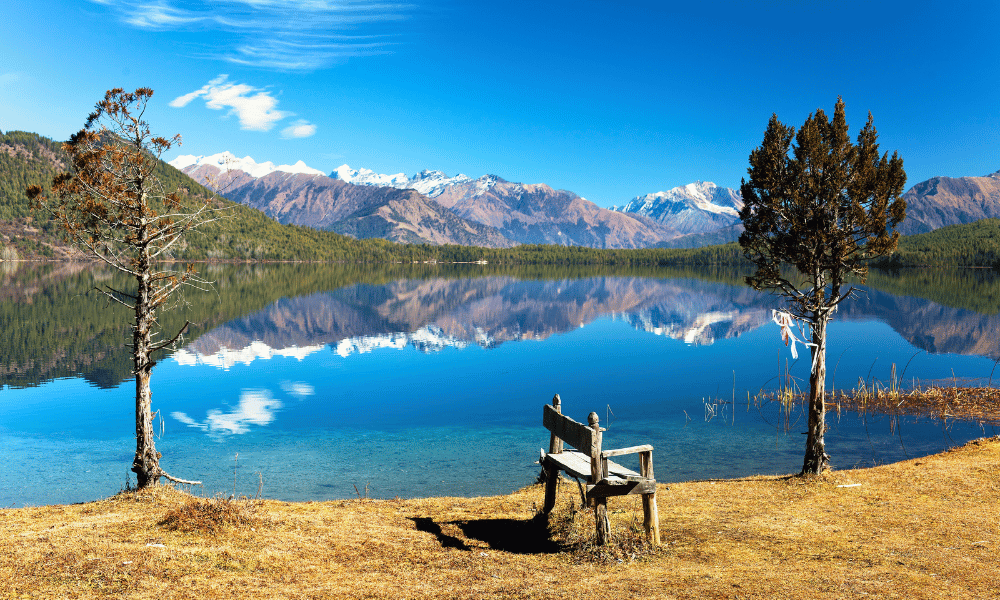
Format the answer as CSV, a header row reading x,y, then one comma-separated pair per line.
x,y
256,407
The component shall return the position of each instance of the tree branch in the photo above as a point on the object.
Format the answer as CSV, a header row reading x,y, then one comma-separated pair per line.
x,y
177,479
163,345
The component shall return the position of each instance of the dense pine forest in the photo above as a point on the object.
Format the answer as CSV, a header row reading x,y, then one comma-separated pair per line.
x,y
248,235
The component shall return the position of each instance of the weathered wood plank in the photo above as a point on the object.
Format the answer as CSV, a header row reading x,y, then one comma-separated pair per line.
x,y
598,465
578,464
608,488
575,434
603,524
629,450
616,470
575,463
551,482
651,517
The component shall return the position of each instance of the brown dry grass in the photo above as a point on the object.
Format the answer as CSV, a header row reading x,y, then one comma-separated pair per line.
x,y
979,404
924,528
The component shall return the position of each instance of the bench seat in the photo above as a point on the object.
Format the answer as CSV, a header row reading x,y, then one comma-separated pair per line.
x,y
619,481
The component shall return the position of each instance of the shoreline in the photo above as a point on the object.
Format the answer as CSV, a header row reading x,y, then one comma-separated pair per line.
x,y
921,528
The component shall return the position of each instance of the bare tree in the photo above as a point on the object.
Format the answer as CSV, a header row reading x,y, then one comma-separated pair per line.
x,y
822,206
113,207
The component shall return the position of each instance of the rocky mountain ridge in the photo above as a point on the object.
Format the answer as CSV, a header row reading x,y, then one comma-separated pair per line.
x,y
695,208
692,215
318,201
942,201
516,212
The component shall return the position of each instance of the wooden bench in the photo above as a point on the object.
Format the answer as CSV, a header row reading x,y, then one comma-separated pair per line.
x,y
605,478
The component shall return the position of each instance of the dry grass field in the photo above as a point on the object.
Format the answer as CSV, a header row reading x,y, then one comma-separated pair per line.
x,y
924,528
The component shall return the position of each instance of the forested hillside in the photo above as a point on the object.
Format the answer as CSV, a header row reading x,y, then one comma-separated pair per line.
x,y
249,235
972,245
246,234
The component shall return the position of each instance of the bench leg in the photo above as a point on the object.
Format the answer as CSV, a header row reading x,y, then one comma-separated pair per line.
x,y
650,514
603,525
551,482
651,518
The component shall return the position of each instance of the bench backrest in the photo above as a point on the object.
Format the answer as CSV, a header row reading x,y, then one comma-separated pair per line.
x,y
575,434
586,439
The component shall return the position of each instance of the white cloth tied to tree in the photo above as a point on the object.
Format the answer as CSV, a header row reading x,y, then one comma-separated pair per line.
x,y
786,321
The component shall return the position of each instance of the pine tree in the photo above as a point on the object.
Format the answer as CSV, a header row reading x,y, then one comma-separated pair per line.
x,y
825,207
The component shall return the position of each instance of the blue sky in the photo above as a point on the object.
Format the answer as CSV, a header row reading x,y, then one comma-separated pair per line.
x,y
608,99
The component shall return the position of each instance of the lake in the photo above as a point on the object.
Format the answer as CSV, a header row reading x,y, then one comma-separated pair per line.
x,y
314,382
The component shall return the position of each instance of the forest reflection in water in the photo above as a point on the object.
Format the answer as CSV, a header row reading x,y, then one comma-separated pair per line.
x,y
324,376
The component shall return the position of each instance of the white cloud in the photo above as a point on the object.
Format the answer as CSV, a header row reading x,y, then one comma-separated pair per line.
x,y
298,129
158,16
182,101
255,108
287,35
10,78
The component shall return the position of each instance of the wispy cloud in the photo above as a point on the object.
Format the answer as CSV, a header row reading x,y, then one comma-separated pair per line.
x,y
287,35
298,129
256,108
10,78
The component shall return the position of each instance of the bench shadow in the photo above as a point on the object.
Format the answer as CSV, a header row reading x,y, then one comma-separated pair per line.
x,y
511,535
429,526
508,535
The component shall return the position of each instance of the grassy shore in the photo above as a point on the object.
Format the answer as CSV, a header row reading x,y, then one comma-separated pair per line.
x,y
924,528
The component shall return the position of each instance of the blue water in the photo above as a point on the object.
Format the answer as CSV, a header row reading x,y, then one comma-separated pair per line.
x,y
404,418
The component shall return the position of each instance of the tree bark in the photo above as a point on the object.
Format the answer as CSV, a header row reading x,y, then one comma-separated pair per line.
x,y
816,459
146,464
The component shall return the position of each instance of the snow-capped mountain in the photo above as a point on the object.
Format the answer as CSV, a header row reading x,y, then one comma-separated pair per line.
x,y
428,183
512,212
303,196
227,161
427,339
693,208
433,183
696,208
369,177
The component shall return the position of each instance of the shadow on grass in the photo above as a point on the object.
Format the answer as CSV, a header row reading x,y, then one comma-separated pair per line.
x,y
508,535
429,526
511,535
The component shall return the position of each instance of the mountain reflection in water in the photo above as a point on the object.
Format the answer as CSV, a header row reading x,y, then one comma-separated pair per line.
x,y
430,315
320,377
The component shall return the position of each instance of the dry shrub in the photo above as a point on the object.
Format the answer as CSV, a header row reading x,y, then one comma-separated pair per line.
x,y
213,515
576,532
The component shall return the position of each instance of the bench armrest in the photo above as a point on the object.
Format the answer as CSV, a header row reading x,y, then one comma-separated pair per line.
x,y
629,450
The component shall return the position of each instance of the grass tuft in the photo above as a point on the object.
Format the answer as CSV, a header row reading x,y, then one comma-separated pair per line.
x,y
213,515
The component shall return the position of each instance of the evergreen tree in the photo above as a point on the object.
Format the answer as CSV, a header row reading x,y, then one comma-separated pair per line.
x,y
824,206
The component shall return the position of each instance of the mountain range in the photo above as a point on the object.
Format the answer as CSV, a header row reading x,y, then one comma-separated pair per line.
x,y
432,314
434,208
431,207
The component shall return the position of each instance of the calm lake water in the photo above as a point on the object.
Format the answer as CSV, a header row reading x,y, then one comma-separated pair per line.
x,y
310,381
